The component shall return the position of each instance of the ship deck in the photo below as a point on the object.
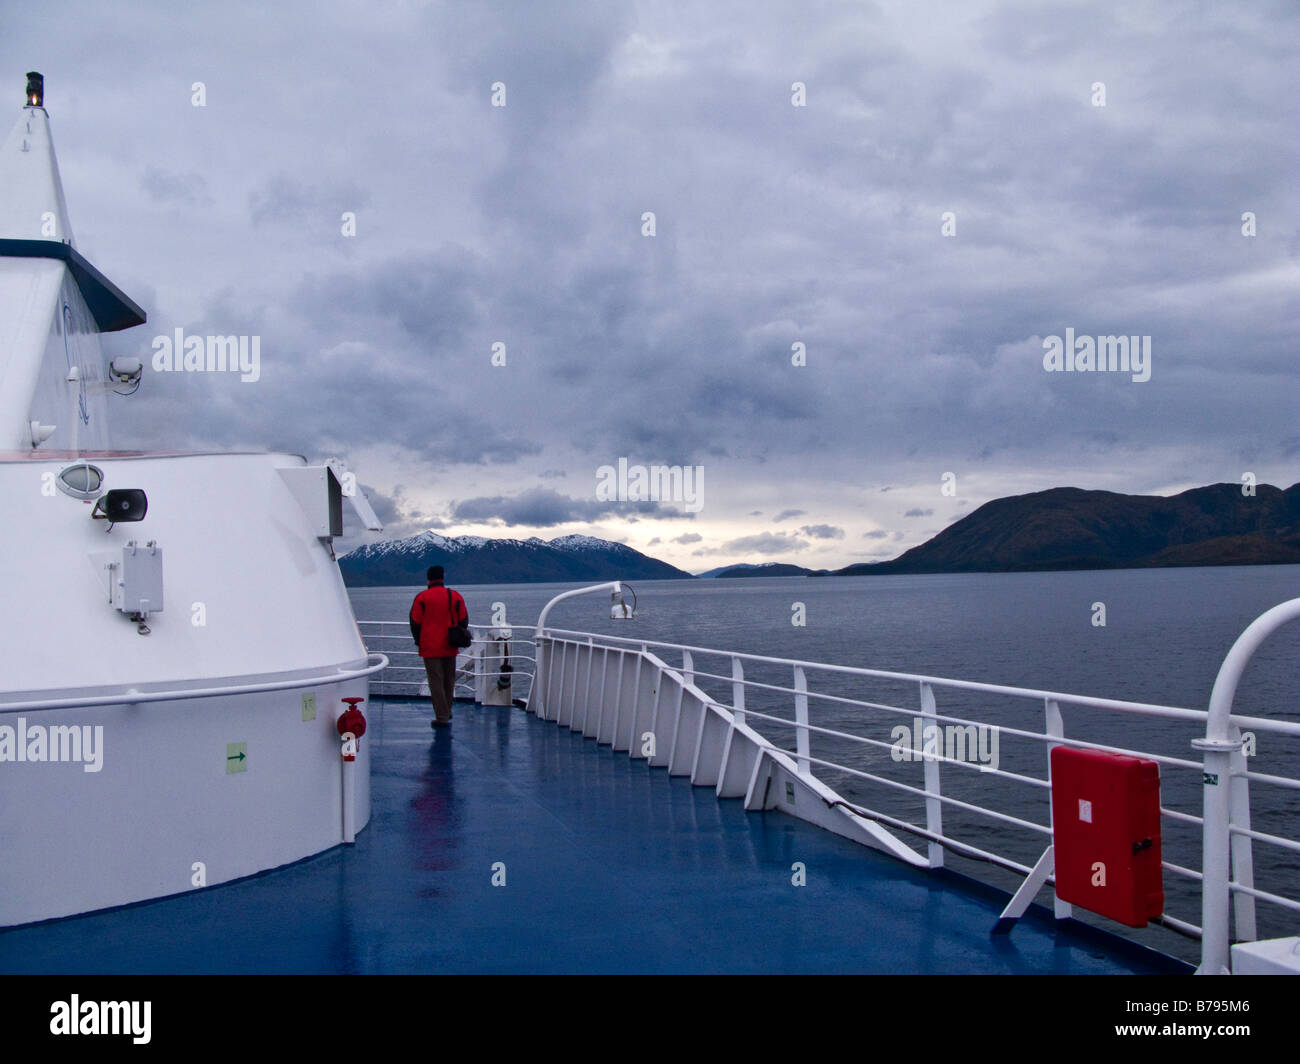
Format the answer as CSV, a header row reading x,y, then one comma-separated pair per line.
x,y
610,866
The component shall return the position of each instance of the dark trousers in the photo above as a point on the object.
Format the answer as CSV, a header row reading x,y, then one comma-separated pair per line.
x,y
442,685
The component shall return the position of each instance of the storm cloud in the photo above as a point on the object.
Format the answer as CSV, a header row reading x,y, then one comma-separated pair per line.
x,y
840,299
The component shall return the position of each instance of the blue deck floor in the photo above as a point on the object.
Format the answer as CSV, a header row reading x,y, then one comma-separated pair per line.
x,y
610,867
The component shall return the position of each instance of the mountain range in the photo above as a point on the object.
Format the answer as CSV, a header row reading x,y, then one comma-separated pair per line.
x,y
477,560
1069,528
1061,528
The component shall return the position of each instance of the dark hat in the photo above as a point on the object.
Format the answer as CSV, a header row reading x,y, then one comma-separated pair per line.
x,y
434,573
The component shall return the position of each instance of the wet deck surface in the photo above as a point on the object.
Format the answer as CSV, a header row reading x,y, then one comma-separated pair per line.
x,y
610,866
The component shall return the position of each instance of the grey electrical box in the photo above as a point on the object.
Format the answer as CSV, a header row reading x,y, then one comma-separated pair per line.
x,y
136,580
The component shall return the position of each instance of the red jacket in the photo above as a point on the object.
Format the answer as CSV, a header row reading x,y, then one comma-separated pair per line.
x,y
430,619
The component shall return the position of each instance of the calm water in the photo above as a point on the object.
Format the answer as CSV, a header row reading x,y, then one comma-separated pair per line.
x,y
1165,636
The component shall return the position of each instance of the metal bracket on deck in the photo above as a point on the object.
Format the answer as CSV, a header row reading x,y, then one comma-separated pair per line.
x,y
1022,898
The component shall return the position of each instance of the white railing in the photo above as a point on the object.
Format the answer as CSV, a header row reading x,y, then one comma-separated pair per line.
x,y
405,676
984,824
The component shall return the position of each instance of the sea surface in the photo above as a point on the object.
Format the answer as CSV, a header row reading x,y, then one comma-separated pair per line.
x,y
1165,635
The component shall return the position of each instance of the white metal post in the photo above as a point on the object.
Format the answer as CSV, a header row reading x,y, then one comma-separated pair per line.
x,y
1217,749
556,704
586,687
801,720
738,690
1056,729
933,785
618,697
636,701
1243,862
541,677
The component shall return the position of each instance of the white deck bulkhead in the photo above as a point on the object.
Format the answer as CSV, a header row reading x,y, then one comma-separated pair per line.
x,y
252,596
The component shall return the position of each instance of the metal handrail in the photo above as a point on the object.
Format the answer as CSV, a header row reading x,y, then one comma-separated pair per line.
x,y
374,663
1144,708
804,727
485,627
464,673
1020,733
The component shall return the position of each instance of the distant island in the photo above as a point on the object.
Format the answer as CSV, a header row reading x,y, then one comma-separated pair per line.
x,y
1057,529
767,569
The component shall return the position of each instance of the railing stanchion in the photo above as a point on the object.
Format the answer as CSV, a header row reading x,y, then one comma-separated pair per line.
x,y
1243,862
1217,750
557,703
554,673
600,701
636,702
618,696
586,690
801,720
930,734
541,669
1056,729
738,690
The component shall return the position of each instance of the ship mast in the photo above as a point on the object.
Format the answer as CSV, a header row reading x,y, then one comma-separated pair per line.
x,y
53,302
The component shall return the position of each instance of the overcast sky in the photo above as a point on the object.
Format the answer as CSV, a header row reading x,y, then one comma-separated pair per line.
x,y
775,225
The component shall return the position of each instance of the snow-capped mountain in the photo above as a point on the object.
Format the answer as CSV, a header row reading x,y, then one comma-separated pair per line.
x,y
478,560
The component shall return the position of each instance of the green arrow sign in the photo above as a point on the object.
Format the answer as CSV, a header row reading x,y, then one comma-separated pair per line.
x,y
236,758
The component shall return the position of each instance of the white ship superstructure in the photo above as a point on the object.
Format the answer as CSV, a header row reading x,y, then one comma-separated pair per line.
x,y
178,640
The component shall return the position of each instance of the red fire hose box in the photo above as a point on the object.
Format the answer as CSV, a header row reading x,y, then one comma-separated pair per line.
x,y
1106,834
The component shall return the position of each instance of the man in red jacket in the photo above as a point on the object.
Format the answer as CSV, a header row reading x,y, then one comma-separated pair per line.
x,y
434,610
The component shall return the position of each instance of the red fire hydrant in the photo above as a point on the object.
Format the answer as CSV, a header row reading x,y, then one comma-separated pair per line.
x,y
352,721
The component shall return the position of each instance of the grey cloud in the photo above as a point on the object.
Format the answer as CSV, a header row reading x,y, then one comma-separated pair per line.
x,y
280,199
432,297
395,512
386,507
786,515
763,543
185,190
283,200
543,507
823,531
